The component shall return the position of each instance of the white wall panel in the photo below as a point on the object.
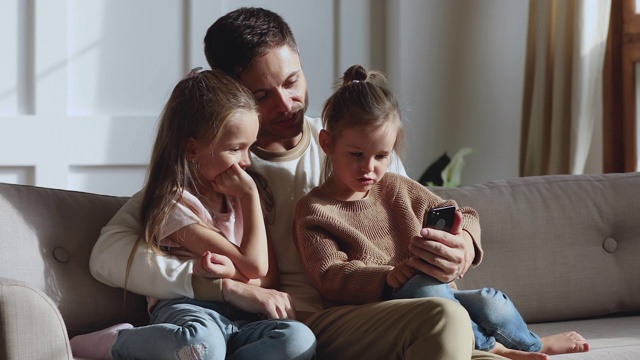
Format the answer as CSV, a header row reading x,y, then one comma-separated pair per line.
x,y
421,67
91,77
9,60
490,67
103,69
458,66
53,145
82,83
361,35
124,56
51,61
202,13
17,175
108,179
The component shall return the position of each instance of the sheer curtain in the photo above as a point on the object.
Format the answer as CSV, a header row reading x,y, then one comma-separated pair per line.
x,y
563,84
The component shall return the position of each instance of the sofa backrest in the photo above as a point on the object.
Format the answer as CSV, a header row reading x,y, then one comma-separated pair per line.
x,y
46,237
561,247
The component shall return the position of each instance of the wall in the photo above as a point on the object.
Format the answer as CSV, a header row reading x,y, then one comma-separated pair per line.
x,y
82,83
460,69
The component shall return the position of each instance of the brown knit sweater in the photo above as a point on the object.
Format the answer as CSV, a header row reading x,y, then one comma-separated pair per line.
x,y
348,247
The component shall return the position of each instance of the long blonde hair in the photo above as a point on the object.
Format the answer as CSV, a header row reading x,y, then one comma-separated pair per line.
x,y
198,109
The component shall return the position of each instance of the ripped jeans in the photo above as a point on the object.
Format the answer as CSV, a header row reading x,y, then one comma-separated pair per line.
x,y
187,329
493,315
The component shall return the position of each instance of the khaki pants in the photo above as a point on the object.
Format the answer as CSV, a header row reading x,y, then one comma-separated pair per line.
x,y
430,328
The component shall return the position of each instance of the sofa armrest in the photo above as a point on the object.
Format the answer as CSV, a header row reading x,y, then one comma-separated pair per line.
x,y
31,326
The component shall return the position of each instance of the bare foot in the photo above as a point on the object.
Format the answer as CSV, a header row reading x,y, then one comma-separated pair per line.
x,y
517,354
564,343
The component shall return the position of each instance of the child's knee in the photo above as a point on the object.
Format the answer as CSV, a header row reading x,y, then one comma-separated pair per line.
x,y
197,344
300,337
289,339
300,331
493,298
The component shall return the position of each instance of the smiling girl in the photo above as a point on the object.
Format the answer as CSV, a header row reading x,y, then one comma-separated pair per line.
x,y
201,206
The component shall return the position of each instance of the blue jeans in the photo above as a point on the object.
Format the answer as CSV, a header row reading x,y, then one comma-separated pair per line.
x,y
184,329
493,315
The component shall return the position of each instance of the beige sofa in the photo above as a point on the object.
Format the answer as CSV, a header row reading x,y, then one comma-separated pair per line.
x,y
565,248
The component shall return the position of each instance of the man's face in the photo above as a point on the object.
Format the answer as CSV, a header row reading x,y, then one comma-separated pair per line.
x,y
277,82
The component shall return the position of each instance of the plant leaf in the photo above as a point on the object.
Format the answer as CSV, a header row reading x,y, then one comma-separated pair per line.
x,y
452,173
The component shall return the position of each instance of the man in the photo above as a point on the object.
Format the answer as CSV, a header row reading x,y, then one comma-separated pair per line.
x,y
265,59
257,46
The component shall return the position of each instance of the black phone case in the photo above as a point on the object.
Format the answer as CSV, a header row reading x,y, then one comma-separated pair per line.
x,y
441,218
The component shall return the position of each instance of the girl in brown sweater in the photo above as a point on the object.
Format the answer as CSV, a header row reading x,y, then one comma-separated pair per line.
x,y
357,233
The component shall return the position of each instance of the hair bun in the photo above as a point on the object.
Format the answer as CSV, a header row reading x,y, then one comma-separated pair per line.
x,y
355,73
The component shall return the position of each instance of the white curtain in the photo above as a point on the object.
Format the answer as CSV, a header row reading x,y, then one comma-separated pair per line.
x,y
563,84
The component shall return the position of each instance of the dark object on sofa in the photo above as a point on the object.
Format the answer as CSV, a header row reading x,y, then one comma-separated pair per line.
x,y
433,174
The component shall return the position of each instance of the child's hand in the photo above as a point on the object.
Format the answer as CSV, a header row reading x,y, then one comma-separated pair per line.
x,y
400,274
235,182
211,265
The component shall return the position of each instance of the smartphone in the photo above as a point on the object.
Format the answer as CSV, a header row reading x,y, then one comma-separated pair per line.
x,y
441,218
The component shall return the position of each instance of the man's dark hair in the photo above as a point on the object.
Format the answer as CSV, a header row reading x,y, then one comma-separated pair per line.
x,y
239,37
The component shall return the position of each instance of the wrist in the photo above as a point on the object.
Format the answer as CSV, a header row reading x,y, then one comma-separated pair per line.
x,y
470,247
226,286
251,194
207,289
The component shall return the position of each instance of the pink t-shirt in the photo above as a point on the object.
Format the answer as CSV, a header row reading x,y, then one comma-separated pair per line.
x,y
189,211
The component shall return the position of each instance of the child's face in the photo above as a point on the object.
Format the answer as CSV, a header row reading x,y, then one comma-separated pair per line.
x,y
361,157
231,148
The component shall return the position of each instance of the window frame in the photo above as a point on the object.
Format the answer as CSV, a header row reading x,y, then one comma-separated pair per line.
x,y
619,84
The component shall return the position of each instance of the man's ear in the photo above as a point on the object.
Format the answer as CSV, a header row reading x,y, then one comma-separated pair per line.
x,y
325,142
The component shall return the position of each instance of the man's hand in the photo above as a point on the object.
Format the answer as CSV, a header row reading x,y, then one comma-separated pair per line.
x,y
271,303
447,256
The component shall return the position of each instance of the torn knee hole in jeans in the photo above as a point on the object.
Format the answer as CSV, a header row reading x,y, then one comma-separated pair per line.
x,y
191,352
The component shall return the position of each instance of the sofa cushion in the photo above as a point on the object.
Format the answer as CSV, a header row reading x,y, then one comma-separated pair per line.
x,y
49,234
562,247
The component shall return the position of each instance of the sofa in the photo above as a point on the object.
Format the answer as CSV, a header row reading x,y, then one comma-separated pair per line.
x,y
565,248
